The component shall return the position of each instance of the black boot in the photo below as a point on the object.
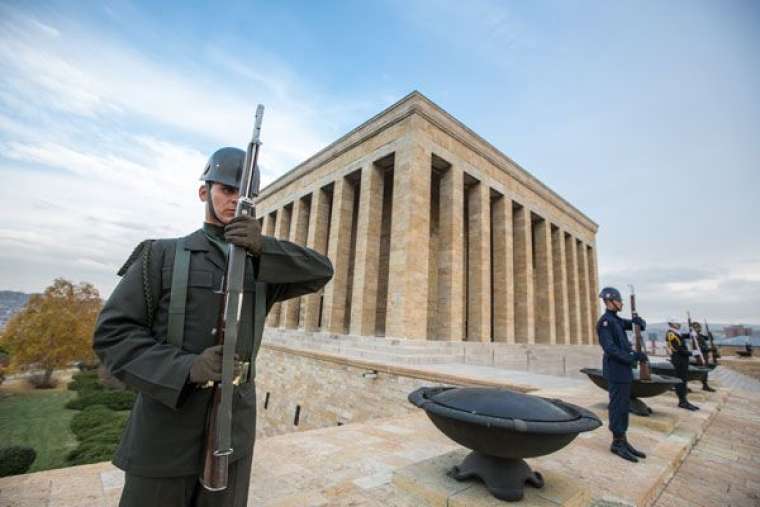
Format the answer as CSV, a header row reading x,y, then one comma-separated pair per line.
x,y
634,451
687,406
618,447
707,388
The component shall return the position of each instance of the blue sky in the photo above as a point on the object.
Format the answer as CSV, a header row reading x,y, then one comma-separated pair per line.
x,y
645,115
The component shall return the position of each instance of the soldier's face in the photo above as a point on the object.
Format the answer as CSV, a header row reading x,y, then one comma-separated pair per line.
x,y
224,199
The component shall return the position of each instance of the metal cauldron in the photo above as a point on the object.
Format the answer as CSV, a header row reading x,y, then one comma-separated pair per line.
x,y
667,369
639,388
502,427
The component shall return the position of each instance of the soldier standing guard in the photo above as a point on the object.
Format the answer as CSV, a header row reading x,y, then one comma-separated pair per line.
x,y
705,348
156,334
617,368
679,356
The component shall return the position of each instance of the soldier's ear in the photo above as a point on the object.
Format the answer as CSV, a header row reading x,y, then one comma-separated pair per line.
x,y
203,193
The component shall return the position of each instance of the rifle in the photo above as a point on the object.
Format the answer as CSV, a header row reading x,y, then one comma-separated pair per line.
x,y
218,444
644,372
715,352
695,342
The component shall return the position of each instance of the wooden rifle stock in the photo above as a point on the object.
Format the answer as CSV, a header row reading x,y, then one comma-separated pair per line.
x,y
645,373
214,474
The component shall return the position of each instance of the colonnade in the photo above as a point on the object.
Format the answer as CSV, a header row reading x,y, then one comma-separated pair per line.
x,y
430,249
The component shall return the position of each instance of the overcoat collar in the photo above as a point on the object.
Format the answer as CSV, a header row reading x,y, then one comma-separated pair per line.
x,y
198,242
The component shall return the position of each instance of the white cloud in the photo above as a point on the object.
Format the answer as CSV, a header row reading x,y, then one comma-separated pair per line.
x,y
99,143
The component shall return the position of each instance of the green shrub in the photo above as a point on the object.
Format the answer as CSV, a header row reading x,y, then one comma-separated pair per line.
x,y
85,381
94,419
16,460
115,400
91,452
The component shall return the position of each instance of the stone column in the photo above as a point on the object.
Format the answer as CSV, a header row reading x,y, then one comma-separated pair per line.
x,y
593,279
503,272
479,270
560,286
451,234
525,330
544,283
410,251
367,260
269,223
281,231
298,233
316,240
586,330
573,289
338,250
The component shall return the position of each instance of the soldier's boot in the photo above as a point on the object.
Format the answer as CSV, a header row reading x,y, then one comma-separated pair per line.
x,y
633,450
688,406
618,447
707,388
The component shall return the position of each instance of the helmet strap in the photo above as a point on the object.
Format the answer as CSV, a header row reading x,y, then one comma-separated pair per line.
x,y
210,202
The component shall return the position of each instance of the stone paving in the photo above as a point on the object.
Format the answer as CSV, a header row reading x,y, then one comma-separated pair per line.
x,y
724,467
735,380
356,464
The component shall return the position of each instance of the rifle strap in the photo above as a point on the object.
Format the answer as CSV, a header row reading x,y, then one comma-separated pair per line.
x,y
178,297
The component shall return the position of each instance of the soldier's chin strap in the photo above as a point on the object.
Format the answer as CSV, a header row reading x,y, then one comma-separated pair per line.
x,y
210,203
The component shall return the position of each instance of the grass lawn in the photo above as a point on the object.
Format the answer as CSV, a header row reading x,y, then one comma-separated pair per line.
x,y
38,419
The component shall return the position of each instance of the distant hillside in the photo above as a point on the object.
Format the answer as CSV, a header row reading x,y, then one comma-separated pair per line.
x,y
10,303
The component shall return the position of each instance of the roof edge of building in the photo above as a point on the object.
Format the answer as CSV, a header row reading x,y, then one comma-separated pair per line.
x,y
516,170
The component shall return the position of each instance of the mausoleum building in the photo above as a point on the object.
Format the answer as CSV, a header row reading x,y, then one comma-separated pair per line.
x,y
434,235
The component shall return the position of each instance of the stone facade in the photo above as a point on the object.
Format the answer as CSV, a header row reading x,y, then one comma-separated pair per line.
x,y
434,235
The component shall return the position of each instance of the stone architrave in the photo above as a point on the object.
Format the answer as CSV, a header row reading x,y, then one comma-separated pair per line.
x,y
451,241
585,312
479,255
298,234
544,284
317,240
339,251
525,330
410,245
503,271
367,256
573,289
561,305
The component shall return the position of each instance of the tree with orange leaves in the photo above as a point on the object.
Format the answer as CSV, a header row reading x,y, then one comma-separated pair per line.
x,y
54,328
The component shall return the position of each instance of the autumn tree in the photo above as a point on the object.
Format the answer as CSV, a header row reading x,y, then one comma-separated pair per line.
x,y
54,328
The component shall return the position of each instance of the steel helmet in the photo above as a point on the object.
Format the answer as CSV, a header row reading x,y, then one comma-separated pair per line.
x,y
225,166
610,294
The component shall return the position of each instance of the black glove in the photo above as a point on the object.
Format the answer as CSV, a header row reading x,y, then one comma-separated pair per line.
x,y
642,356
244,231
640,322
207,366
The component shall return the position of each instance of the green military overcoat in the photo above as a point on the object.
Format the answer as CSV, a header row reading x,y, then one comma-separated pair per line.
x,y
165,430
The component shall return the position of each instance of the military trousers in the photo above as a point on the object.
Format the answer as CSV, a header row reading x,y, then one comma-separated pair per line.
x,y
619,407
681,369
187,491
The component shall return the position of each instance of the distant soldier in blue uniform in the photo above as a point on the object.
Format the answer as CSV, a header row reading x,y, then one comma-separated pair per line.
x,y
618,363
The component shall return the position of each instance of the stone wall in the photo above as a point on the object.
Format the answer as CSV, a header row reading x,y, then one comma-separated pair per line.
x,y
324,393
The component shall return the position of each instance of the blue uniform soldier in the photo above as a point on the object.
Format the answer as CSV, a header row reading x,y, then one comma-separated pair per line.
x,y
619,360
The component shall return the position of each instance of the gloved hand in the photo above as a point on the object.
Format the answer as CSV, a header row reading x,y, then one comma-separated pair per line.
x,y
642,356
207,366
244,231
640,322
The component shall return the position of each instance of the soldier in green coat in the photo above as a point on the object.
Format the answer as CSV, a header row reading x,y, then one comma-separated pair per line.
x,y
169,359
